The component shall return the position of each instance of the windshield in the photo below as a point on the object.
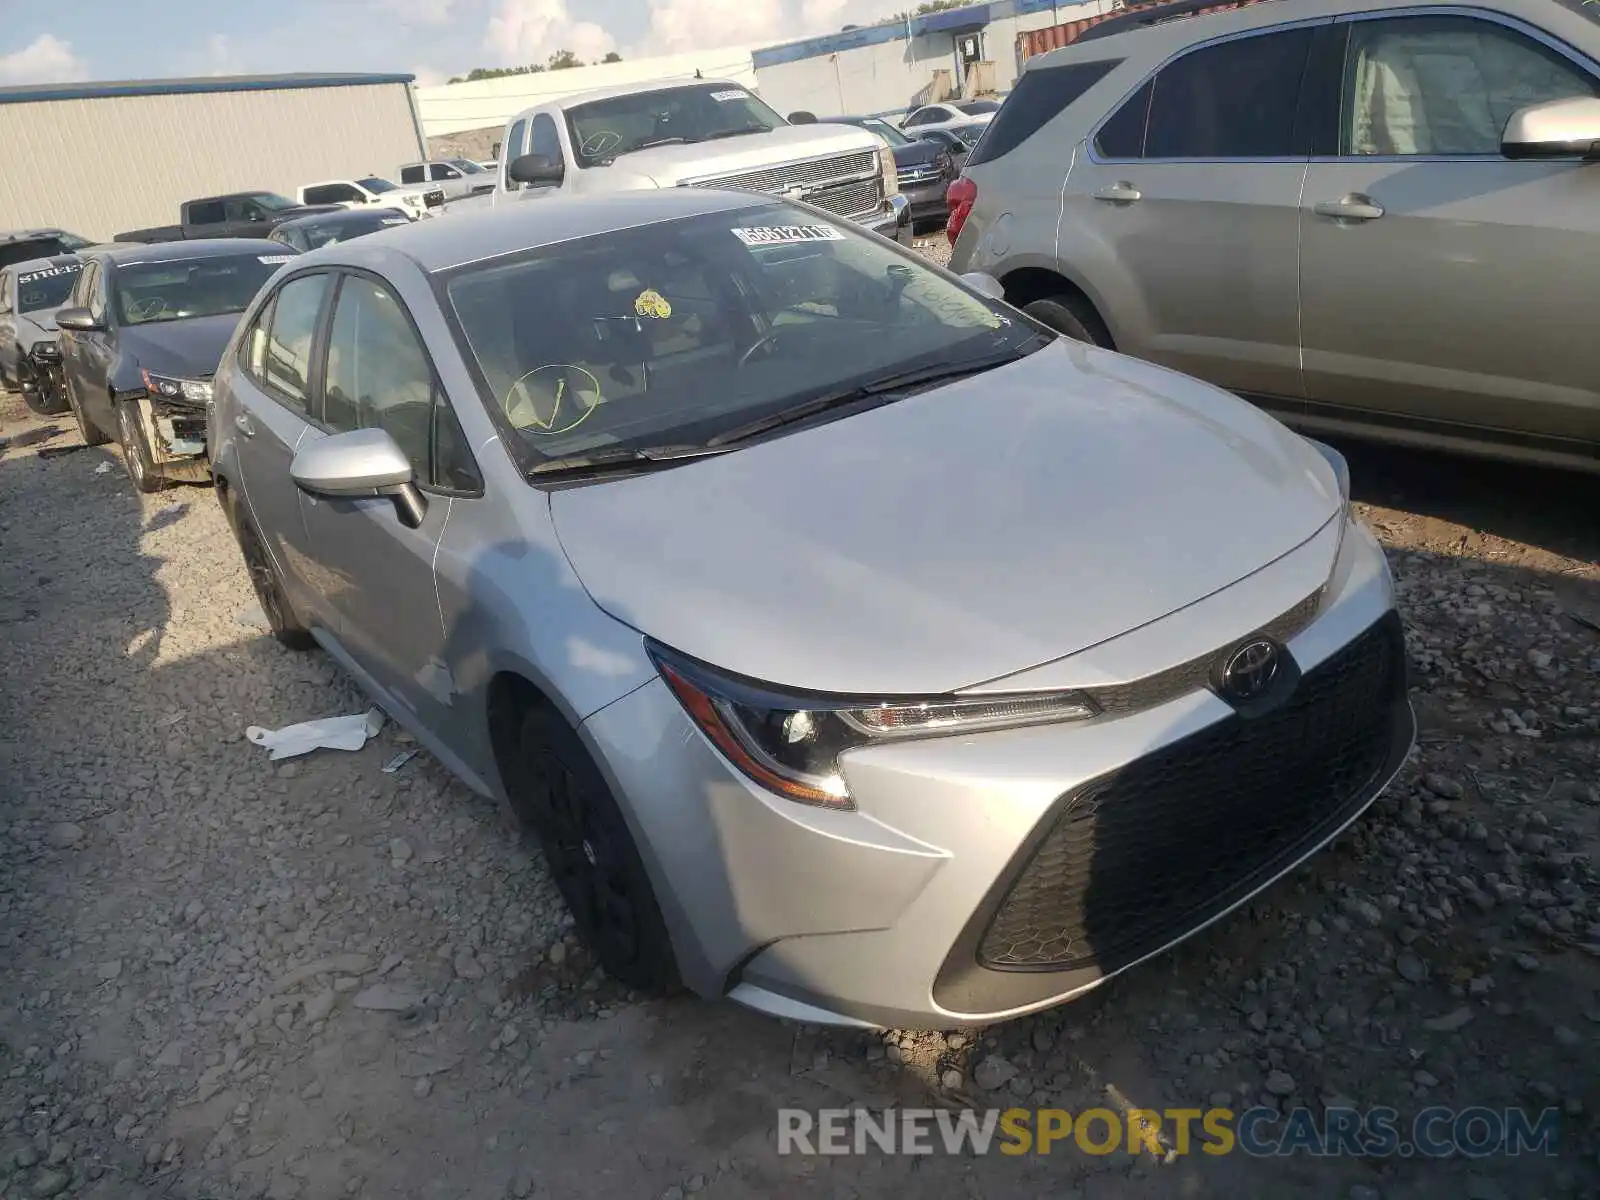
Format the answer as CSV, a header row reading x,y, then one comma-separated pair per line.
x,y
675,332
466,167
326,233
197,287
884,130
976,108
603,129
376,185
46,287
273,202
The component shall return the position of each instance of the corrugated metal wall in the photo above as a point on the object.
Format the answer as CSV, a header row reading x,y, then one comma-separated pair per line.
x,y
103,166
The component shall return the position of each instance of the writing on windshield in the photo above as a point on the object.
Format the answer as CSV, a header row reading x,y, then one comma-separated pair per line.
x,y
603,129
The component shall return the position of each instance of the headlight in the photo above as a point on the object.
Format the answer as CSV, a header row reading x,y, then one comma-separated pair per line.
x,y
45,352
891,174
196,391
791,744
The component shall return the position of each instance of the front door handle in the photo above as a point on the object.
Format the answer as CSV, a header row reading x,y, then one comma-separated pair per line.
x,y
242,424
1121,192
1354,207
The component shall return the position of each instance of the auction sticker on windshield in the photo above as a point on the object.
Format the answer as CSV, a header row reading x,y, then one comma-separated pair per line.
x,y
274,259
728,95
786,235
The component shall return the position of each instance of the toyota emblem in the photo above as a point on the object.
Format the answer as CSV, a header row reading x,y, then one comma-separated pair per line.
x,y
1250,670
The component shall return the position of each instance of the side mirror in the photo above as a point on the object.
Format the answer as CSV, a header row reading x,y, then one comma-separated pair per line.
x,y
536,170
802,118
81,320
255,214
1567,128
358,464
983,283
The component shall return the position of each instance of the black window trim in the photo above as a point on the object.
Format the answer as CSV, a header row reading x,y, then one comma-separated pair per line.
x,y
1543,37
301,409
1093,137
319,364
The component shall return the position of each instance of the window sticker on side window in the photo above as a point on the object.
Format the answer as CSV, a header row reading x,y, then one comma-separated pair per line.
x,y
786,235
274,259
730,94
394,221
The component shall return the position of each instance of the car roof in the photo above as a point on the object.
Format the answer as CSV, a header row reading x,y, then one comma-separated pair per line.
x,y
44,264
451,241
125,253
344,216
634,89
26,235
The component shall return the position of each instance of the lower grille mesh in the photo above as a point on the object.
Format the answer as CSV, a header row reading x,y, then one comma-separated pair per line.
x,y
1141,856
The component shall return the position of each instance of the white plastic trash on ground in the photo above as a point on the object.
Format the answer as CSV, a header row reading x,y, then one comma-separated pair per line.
x,y
326,733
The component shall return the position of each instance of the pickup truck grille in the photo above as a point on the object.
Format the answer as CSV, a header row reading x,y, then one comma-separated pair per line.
x,y
851,200
805,175
433,199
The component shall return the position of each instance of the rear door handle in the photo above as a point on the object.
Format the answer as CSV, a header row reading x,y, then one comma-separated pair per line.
x,y
242,424
1354,207
1121,192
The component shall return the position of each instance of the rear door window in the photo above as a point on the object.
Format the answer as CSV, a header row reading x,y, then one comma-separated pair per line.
x,y
206,212
411,174
1236,99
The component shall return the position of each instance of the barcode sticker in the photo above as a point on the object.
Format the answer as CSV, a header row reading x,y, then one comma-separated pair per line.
x,y
275,259
732,94
787,235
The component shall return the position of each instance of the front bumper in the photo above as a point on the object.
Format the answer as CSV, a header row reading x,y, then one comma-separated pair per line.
x,y
979,880
895,216
926,200
176,431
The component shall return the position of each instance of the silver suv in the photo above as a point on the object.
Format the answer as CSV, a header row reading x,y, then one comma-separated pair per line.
x,y
1367,218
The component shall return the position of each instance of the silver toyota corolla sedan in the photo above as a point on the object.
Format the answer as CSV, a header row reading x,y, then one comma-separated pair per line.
x,y
856,647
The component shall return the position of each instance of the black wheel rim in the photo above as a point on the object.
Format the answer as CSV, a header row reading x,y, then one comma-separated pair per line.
x,y
590,865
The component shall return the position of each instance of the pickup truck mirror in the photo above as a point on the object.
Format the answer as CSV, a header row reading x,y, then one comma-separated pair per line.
x,y
80,320
536,170
802,118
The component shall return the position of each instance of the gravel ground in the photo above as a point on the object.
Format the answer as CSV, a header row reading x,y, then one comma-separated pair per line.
x,y
221,978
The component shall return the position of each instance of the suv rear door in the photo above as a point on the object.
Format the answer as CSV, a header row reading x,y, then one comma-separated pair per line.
x,y
1183,209
1442,281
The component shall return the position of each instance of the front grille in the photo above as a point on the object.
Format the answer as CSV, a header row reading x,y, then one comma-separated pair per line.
x,y
1142,856
433,199
1195,674
852,201
814,171
918,175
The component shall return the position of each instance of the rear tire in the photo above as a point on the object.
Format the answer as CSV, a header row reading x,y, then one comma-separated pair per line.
x,y
559,792
1073,317
282,620
87,429
136,456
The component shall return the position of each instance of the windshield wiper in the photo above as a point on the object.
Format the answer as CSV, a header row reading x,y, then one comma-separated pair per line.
x,y
898,382
724,133
620,456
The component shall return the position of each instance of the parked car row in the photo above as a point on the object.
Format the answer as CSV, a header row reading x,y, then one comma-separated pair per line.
x,y
1367,217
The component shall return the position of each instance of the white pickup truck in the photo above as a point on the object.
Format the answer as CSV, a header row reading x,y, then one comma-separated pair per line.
x,y
423,200
697,133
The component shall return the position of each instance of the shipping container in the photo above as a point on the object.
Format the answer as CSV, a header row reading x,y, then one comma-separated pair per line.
x,y
1040,41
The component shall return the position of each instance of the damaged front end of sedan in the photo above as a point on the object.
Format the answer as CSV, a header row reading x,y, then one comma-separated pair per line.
x,y
172,415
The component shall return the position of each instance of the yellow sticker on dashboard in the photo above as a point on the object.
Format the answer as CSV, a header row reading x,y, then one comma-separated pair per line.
x,y
652,304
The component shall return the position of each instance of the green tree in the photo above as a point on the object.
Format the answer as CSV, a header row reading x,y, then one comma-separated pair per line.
x,y
611,57
563,60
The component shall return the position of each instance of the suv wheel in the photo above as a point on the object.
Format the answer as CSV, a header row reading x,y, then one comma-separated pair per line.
x,y
1071,316
557,789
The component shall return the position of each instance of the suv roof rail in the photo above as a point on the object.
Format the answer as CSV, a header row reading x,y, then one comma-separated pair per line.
x,y
1143,16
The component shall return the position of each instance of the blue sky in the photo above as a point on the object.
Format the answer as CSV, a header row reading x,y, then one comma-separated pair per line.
x,y
137,39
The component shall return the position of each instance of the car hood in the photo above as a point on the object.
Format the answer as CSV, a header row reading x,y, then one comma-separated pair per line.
x,y
187,349
38,325
956,536
668,166
917,154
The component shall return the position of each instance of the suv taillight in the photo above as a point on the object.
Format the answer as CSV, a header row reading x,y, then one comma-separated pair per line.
x,y
959,198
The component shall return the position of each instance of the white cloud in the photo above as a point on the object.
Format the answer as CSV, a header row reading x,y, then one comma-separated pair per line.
x,y
428,76
220,58
47,59
530,31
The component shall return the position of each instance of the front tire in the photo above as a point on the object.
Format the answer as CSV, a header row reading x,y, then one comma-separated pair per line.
x,y
557,789
1072,316
282,620
136,456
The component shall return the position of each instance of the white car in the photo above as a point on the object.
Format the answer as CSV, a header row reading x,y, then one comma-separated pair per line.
x,y
418,200
457,178
697,133
950,114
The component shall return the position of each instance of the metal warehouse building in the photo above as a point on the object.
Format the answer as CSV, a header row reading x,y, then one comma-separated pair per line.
x,y
101,158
